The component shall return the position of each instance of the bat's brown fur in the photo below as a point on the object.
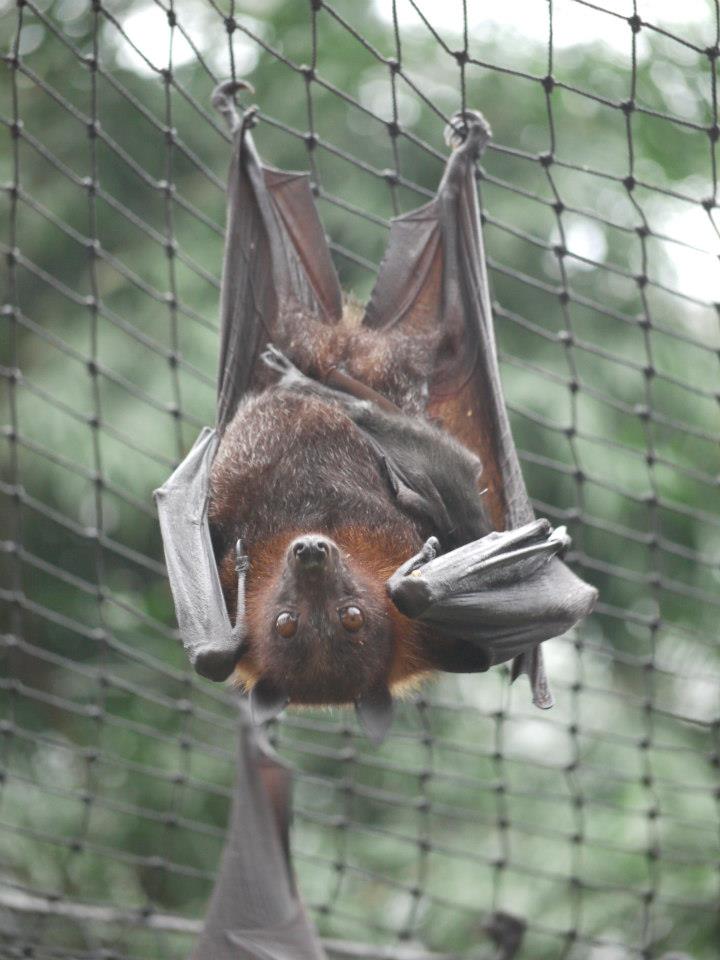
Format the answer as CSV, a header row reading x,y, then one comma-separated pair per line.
x,y
291,464
392,363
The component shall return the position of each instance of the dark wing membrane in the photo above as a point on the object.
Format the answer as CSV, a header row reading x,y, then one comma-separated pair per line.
x,y
276,258
502,594
254,905
211,642
408,289
492,594
433,278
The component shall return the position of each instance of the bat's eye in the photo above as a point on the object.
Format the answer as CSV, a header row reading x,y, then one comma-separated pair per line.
x,y
352,618
286,625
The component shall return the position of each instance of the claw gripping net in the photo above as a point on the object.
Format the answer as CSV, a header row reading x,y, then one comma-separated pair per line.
x,y
481,828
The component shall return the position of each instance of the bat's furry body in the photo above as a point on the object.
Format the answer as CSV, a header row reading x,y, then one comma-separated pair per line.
x,y
367,512
292,461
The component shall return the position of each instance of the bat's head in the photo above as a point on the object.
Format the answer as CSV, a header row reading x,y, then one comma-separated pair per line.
x,y
321,626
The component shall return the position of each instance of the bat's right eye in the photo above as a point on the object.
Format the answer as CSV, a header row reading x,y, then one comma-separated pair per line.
x,y
352,618
286,625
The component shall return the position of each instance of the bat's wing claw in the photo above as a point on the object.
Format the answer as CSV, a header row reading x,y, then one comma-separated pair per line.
x,y
276,359
242,560
431,548
409,592
290,376
561,536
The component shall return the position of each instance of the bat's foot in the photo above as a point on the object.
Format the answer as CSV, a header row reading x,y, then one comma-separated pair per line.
x,y
468,126
223,99
249,118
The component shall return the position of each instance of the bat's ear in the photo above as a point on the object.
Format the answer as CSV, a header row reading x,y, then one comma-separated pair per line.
x,y
267,701
375,713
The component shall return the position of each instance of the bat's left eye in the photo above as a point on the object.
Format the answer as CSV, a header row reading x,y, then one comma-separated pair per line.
x,y
352,618
286,625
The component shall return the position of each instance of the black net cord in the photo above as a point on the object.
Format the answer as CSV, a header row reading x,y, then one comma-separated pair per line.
x,y
592,830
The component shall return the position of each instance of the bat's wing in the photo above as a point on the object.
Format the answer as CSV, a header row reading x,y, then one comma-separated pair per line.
x,y
276,259
254,910
211,642
503,594
433,277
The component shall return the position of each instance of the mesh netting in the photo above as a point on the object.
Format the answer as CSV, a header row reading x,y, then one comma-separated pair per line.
x,y
594,825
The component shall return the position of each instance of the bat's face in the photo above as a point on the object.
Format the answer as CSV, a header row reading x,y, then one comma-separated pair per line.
x,y
320,628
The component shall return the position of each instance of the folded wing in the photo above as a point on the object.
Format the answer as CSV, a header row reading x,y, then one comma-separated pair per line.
x,y
434,277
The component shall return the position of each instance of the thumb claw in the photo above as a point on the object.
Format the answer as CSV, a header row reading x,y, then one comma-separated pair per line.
x,y
431,548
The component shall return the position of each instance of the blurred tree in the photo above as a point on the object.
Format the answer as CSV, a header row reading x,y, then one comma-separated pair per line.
x,y
598,823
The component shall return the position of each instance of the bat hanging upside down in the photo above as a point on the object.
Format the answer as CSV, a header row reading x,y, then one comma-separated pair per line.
x,y
301,477
368,521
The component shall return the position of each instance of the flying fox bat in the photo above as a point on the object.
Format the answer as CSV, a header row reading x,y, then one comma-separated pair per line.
x,y
358,518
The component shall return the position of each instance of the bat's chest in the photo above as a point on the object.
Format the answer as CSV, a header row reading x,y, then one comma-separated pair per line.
x,y
297,463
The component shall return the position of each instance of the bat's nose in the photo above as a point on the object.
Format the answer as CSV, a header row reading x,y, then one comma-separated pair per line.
x,y
310,551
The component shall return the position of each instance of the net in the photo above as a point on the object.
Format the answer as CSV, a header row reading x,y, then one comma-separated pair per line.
x,y
590,831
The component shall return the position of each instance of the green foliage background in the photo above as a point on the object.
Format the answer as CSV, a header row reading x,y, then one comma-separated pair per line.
x,y
596,823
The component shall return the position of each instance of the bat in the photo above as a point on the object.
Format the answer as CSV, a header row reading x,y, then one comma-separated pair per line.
x,y
357,519
255,910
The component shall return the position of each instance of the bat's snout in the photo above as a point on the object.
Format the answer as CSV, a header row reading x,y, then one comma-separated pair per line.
x,y
311,552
